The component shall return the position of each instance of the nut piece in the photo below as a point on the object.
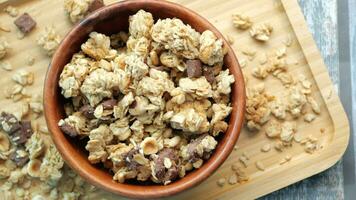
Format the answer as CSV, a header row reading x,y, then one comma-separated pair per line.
x,y
261,32
25,23
149,146
240,21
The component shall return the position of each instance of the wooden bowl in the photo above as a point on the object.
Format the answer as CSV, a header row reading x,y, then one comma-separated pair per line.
x,y
112,19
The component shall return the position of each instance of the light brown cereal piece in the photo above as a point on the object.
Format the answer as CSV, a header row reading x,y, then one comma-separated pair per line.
x,y
140,24
220,112
12,11
233,179
4,47
98,85
98,47
200,86
198,148
257,110
139,46
260,166
121,129
260,72
273,129
278,109
6,65
211,49
219,127
171,60
309,117
288,130
123,106
52,164
30,60
35,146
74,74
74,125
174,35
76,9
49,40
240,21
249,52
23,77
221,182
314,104
296,101
190,121
224,81
135,66
266,148
261,32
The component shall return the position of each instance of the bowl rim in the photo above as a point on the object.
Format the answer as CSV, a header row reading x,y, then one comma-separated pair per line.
x,y
141,191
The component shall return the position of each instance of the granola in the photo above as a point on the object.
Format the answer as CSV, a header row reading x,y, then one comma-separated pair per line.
x,y
49,40
261,32
151,101
4,47
240,21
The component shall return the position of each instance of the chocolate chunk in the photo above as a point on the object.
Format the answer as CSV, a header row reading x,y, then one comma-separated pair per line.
x,y
194,68
96,4
109,104
23,134
162,173
128,159
20,161
87,111
25,23
133,104
209,74
166,96
69,130
9,123
192,149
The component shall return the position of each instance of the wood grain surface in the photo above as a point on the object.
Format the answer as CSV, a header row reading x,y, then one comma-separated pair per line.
x,y
276,176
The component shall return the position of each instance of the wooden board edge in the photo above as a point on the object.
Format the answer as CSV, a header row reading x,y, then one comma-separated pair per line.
x,y
335,150
318,70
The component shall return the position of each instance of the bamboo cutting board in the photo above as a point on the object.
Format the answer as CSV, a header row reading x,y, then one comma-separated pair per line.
x,y
287,21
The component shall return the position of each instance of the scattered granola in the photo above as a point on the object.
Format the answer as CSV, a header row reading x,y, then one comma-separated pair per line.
x,y
78,9
257,109
266,148
260,166
30,60
48,40
4,47
230,39
6,65
286,159
25,23
261,32
240,21
221,182
23,77
233,179
12,11
153,109
309,117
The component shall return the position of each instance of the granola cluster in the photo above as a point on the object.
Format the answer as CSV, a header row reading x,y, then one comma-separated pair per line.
x,y
150,101
78,9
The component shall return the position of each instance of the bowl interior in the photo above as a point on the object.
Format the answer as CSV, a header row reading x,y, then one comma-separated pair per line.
x,y
109,20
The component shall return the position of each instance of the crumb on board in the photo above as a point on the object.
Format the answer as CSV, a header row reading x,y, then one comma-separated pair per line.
x,y
260,166
221,182
266,148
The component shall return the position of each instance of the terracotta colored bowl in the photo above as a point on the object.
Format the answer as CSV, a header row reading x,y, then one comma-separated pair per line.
x,y
112,19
